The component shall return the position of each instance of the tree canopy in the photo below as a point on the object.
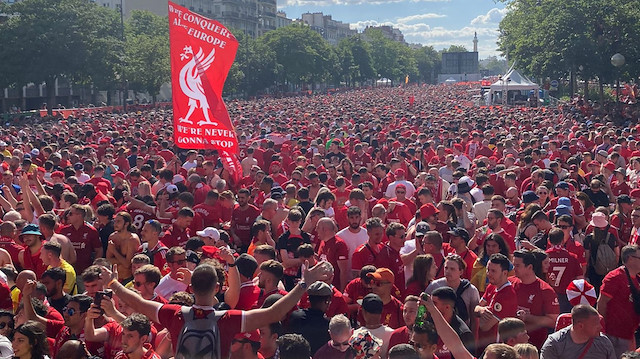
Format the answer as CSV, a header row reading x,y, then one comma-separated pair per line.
x,y
554,38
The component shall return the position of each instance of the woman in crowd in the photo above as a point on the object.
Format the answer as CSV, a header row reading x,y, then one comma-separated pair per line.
x,y
30,341
424,270
493,244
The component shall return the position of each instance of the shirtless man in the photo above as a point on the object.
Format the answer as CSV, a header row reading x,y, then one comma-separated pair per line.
x,y
5,258
47,224
123,245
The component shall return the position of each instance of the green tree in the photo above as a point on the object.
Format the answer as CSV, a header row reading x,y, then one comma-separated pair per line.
x,y
456,48
147,52
428,63
356,63
385,55
302,54
557,39
44,40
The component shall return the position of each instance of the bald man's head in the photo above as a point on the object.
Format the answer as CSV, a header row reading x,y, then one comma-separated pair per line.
x,y
8,229
73,349
23,277
326,228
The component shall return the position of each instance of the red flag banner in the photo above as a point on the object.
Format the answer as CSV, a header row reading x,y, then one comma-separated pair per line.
x,y
202,52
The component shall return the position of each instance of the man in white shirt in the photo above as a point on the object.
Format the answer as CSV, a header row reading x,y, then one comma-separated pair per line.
x,y
177,262
459,156
391,189
191,161
480,209
354,235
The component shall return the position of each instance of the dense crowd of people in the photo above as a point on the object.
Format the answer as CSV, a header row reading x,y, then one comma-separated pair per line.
x,y
364,225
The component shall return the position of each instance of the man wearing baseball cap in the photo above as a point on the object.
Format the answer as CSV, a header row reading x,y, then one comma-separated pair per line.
x,y
373,314
567,190
400,179
312,323
382,280
245,345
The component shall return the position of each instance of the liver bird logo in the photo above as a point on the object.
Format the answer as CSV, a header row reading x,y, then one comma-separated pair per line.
x,y
191,83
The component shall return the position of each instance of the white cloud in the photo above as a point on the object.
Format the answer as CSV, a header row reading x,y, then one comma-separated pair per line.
x,y
286,3
440,37
494,16
420,17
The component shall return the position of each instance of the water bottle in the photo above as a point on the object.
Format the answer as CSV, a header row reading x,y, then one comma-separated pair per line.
x,y
422,311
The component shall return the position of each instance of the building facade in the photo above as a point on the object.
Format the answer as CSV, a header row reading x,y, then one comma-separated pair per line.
x,y
331,30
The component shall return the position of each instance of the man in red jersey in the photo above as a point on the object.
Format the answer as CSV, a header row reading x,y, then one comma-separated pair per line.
x,y
459,238
389,255
498,302
409,311
360,158
538,305
209,211
136,330
564,268
433,244
204,283
152,246
368,252
242,219
383,280
179,232
334,250
84,237
616,301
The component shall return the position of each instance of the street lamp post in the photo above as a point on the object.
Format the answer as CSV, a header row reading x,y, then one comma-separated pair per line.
x,y
617,60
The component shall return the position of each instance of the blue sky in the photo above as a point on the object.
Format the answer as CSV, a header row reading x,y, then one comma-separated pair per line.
x,y
439,23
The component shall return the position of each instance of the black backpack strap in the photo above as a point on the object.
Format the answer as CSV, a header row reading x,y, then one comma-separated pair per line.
x,y
461,306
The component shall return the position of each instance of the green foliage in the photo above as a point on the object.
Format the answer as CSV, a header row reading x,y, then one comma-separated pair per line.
x,y
554,38
147,52
44,40
80,41
355,64
303,55
455,48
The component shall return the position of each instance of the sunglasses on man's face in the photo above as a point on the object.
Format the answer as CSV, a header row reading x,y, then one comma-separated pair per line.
x,y
339,345
70,311
3,325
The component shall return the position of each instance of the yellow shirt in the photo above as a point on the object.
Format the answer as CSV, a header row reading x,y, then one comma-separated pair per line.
x,y
70,286
15,298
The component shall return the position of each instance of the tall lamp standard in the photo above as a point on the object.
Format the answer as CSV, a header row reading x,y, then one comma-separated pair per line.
x,y
617,60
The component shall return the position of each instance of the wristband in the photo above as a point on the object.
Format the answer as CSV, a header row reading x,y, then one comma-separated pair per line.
x,y
230,265
303,285
111,282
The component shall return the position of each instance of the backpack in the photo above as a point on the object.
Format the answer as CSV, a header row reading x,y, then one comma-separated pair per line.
x,y
200,335
605,257
461,306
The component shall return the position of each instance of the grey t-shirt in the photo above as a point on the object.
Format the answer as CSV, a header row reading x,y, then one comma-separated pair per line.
x,y
559,345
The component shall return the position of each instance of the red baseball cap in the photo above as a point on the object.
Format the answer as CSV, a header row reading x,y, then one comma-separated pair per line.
x,y
428,210
252,336
610,166
58,174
